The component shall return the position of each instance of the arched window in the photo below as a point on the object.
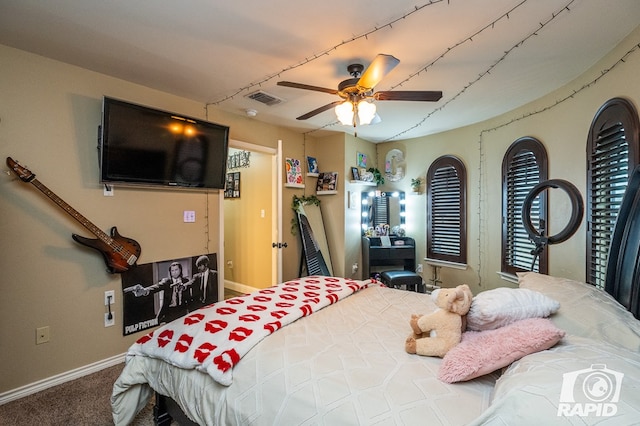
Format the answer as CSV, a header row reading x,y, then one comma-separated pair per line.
x,y
524,166
612,154
447,210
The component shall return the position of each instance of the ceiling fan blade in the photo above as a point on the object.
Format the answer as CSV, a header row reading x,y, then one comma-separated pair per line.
x,y
379,67
408,95
319,110
307,87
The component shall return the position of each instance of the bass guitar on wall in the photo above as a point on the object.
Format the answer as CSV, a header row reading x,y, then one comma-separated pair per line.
x,y
120,253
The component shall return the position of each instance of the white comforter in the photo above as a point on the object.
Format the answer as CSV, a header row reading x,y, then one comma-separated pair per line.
x,y
214,339
343,365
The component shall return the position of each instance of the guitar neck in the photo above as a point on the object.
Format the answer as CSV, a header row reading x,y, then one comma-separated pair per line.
x,y
73,212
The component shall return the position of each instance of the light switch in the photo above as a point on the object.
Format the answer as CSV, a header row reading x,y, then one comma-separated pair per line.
x,y
189,216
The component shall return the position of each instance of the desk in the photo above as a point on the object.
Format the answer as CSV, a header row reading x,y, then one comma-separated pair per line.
x,y
374,254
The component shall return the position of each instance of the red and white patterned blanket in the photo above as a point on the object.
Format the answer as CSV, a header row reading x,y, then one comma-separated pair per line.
x,y
213,339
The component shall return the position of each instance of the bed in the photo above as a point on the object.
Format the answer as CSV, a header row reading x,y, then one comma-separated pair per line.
x,y
344,364
343,361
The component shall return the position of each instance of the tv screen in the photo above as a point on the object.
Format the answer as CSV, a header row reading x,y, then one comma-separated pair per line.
x,y
145,146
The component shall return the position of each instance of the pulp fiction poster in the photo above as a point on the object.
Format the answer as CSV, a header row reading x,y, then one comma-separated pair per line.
x,y
160,292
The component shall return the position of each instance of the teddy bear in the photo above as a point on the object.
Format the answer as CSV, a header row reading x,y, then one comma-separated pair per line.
x,y
435,333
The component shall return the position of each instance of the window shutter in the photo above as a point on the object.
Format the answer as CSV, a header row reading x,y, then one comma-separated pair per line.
x,y
524,167
446,210
522,176
611,152
381,213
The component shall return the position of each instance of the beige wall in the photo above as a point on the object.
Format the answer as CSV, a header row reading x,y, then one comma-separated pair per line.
x,y
562,126
329,151
352,215
49,113
337,153
49,117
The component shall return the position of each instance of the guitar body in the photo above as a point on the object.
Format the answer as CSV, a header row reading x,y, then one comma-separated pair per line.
x,y
120,253
115,261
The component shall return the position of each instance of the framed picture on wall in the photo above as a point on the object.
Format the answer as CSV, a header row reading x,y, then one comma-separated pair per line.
x,y
361,160
293,171
232,186
327,183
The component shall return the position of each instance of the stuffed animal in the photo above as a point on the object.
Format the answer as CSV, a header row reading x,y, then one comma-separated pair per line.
x,y
435,333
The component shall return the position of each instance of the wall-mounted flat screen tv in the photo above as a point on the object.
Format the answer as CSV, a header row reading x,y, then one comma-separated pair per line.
x,y
149,147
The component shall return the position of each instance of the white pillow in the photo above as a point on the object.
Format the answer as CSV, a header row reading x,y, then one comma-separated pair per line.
x,y
586,310
529,392
496,308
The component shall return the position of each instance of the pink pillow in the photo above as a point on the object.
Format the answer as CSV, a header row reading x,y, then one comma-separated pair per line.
x,y
481,352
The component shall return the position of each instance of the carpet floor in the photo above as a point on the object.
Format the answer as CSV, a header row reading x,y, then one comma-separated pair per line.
x,y
83,402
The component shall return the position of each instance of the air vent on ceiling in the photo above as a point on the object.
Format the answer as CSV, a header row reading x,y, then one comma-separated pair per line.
x,y
264,97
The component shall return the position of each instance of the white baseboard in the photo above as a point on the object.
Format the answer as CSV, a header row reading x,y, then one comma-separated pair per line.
x,y
240,288
59,379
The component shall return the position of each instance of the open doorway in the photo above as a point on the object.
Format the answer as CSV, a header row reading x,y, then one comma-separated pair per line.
x,y
251,219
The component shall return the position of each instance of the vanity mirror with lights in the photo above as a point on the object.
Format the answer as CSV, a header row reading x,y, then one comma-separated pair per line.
x,y
384,244
383,210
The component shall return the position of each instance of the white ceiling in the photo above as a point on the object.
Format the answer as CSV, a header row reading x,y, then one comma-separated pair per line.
x,y
482,54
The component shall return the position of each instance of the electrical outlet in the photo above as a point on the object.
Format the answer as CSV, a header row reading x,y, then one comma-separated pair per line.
x,y
354,268
107,190
108,322
42,335
419,268
109,297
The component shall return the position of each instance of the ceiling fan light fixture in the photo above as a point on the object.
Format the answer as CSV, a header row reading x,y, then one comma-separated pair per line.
x,y
344,112
366,112
358,91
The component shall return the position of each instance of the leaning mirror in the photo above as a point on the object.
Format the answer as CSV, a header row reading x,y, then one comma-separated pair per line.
x,y
316,258
383,213
394,165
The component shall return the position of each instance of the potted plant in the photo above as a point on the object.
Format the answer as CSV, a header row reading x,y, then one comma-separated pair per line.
x,y
415,184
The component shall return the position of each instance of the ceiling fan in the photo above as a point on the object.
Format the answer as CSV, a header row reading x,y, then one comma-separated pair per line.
x,y
358,91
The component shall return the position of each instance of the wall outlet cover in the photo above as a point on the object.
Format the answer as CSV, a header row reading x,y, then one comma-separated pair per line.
x,y
109,322
109,297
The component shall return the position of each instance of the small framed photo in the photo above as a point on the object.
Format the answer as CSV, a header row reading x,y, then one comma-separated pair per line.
x,y
312,165
232,187
327,182
355,174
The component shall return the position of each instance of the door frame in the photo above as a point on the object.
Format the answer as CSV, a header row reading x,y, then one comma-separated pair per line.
x,y
276,206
